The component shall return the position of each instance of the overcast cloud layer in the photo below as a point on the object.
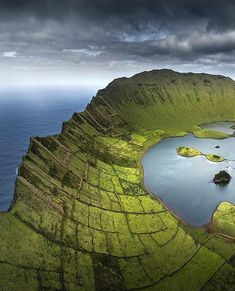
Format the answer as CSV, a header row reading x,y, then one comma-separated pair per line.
x,y
85,42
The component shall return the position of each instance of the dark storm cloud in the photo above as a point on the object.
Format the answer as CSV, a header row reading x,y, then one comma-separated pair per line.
x,y
220,14
111,35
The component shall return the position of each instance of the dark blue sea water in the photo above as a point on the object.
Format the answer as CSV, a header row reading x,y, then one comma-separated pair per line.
x,y
26,112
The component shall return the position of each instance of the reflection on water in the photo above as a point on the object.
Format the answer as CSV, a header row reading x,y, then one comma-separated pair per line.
x,y
185,184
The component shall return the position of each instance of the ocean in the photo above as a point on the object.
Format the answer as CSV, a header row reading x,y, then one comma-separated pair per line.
x,y
27,112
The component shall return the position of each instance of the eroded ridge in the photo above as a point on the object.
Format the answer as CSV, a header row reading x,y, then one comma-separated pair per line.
x,y
81,219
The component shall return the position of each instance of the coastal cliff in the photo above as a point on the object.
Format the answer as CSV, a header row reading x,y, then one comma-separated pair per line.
x,y
81,218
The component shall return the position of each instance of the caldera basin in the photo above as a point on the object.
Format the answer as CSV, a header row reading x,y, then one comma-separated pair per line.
x,y
185,185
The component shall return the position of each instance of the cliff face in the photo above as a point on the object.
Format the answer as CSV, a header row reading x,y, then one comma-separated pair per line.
x,y
169,100
81,219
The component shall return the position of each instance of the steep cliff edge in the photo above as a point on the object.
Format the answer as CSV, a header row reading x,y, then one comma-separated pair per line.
x,y
81,218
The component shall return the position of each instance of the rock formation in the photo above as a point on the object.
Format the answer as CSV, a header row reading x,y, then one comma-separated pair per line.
x,y
222,178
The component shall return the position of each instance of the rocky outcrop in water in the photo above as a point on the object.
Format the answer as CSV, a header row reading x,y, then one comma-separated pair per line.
x,y
222,178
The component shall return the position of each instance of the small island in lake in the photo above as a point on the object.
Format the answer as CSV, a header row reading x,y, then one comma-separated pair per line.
x,y
214,158
191,152
188,152
222,178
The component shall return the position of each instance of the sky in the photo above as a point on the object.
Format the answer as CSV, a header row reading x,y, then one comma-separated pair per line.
x,y
91,42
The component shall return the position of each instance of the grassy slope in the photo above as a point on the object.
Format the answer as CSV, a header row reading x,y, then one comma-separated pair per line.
x,y
169,100
81,219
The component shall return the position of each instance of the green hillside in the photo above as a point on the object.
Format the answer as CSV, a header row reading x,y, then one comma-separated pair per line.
x,y
81,218
169,100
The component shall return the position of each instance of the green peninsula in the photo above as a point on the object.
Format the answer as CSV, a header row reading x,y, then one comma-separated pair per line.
x,y
203,133
81,218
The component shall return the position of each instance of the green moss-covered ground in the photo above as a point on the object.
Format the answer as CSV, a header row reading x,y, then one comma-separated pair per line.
x,y
81,218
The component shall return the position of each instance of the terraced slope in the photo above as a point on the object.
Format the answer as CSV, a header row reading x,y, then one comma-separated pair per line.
x,y
81,219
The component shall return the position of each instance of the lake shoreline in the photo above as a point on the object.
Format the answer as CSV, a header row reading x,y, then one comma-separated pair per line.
x,y
160,197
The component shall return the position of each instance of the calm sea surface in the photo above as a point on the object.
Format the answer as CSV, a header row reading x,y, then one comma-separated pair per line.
x,y
26,112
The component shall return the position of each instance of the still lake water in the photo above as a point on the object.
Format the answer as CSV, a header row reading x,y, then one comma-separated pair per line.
x,y
185,184
26,112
